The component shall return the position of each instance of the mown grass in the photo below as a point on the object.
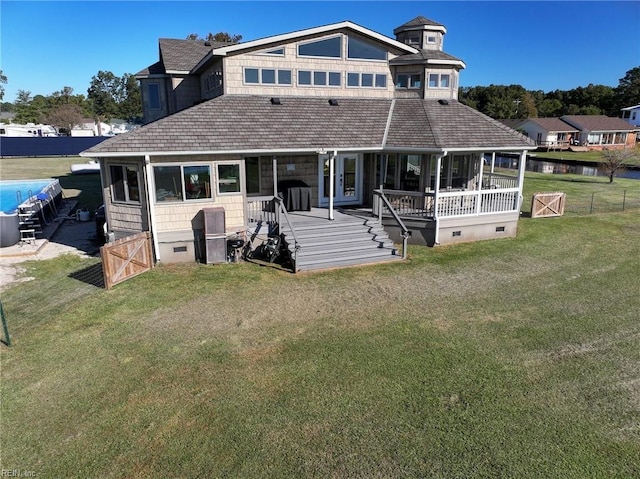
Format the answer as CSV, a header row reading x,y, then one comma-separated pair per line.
x,y
507,358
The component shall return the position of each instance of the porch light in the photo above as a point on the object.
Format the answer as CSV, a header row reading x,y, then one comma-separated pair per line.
x,y
275,101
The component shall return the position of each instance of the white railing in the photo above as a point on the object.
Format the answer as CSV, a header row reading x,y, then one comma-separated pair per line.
x,y
465,203
498,181
410,203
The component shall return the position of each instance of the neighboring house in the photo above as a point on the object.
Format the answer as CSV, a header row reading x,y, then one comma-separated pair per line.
x,y
599,132
593,132
550,133
631,115
364,120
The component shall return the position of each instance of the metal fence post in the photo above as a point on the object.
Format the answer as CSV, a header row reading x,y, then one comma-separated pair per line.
x,y
591,207
7,338
624,198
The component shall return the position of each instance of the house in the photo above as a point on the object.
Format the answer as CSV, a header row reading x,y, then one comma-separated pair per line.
x,y
631,114
352,122
550,133
599,132
584,132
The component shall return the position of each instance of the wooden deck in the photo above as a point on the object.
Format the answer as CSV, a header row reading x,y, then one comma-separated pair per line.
x,y
352,238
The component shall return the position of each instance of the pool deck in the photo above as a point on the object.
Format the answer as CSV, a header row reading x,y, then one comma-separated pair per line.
x,y
26,249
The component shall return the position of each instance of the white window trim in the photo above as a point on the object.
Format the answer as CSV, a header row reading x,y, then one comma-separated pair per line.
x,y
373,86
238,163
183,200
313,85
347,57
123,167
260,82
409,87
315,40
439,85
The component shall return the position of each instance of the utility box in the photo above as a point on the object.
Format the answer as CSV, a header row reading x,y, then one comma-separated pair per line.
x,y
215,235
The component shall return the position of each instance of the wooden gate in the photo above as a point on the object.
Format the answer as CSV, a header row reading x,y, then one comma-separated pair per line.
x,y
547,204
126,258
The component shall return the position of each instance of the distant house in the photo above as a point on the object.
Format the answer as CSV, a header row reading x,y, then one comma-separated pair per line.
x,y
550,133
598,132
631,114
593,132
363,120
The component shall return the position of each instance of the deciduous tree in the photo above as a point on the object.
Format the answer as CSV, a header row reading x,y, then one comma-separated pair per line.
x,y
614,162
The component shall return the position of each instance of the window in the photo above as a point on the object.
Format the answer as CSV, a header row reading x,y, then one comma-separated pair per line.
x,y
319,78
251,75
252,175
439,80
214,80
431,39
406,80
329,48
304,77
367,80
182,182
267,76
153,91
284,77
124,183
276,51
414,39
228,178
357,49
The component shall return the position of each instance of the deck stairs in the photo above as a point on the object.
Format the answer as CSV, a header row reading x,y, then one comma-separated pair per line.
x,y
29,223
350,239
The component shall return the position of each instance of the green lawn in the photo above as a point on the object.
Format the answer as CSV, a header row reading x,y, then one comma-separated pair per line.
x,y
511,358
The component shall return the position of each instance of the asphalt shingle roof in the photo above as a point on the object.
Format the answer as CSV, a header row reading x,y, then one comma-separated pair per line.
x,y
417,22
246,123
553,124
423,56
597,123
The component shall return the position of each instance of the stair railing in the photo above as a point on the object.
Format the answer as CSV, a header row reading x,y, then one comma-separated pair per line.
x,y
404,231
281,212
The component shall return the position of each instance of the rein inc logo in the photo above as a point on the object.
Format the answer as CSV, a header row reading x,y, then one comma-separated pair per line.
x,y
17,473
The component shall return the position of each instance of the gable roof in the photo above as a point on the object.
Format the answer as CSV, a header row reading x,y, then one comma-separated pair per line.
x,y
179,56
296,35
552,124
252,124
597,123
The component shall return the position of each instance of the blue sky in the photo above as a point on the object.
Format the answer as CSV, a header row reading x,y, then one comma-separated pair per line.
x,y
47,45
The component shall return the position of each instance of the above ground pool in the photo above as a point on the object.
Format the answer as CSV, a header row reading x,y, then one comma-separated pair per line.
x,y
32,195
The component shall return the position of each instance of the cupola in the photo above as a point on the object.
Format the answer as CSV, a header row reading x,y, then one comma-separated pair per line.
x,y
421,33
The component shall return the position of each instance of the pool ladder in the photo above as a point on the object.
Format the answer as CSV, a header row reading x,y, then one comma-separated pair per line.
x,y
29,222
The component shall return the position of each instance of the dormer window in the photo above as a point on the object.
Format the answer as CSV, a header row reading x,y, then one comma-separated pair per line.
x,y
431,39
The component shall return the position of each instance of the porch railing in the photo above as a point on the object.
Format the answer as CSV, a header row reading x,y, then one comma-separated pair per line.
x,y
382,203
498,181
465,203
410,203
271,210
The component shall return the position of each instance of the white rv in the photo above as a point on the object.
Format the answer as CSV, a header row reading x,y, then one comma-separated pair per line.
x,y
28,130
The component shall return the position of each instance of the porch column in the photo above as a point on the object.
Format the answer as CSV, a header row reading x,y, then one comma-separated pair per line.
x,y
332,162
521,167
436,195
150,191
275,176
480,185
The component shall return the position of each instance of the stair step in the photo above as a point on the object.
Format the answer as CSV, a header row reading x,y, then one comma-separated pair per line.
x,y
341,262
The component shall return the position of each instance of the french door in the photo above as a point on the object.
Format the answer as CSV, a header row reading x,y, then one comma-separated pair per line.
x,y
347,179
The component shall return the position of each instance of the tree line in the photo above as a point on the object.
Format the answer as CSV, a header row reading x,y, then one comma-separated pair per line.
x,y
108,97
514,101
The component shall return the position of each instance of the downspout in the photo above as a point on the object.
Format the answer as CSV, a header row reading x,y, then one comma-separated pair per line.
x,y
436,195
151,208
